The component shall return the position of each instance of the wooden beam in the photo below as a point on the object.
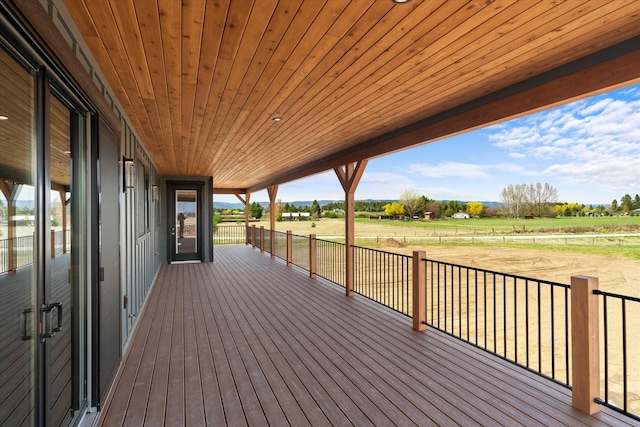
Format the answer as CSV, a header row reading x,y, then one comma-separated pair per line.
x,y
349,176
231,191
603,71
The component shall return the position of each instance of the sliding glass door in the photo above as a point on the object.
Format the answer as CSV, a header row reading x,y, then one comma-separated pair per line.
x,y
42,259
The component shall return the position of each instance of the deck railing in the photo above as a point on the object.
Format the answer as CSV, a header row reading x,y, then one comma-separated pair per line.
x,y
521,319
542,326
17,252
330,260
300,251
384,277
232,234
620,316
280,243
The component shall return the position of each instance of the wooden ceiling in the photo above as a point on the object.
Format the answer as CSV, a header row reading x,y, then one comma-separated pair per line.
x,y
202,81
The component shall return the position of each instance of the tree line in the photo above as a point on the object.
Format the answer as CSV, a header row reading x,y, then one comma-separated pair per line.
x,y
518,201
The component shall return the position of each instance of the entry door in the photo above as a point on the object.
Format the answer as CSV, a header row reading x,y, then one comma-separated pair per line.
x,y
185,221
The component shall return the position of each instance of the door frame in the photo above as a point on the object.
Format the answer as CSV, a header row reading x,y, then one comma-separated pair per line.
x,y
172,187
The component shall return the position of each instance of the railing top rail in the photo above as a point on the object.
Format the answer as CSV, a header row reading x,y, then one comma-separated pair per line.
x,y
329,241
299,235
380,251
609,294
514,276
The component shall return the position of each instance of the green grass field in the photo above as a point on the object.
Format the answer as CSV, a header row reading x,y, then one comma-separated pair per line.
x,y
613,224
505,233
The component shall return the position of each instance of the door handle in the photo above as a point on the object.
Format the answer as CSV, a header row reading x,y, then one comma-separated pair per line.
x,y
46,310
24,324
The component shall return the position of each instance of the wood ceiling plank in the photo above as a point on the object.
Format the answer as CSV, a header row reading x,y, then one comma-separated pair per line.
x,y
110,60
298,65
351,23
271,53
193,15
151,35
329,85
238,15
267,26
170,12
124,13
213,29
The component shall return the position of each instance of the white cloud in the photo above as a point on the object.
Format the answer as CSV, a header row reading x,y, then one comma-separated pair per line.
x,y
591,141
448,169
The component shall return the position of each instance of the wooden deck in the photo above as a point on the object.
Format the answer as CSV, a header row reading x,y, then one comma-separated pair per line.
x,y
248,341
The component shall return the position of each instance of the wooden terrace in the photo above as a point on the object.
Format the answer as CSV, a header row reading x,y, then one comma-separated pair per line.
x,y
246,340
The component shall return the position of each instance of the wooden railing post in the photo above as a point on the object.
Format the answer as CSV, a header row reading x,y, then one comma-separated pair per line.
x,y
253,236
585,339
419,286
312,256
272,237
261,238
289,248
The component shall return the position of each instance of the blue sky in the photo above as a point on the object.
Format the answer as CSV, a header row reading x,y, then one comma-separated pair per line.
x,y
588,150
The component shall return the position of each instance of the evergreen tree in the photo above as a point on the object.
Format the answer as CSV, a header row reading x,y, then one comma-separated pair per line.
x,y
255,210
315,209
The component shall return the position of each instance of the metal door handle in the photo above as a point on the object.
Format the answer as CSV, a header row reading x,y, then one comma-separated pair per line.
x,y
24,328
46,309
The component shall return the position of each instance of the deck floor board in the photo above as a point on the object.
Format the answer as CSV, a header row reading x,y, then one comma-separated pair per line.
x,y
248,341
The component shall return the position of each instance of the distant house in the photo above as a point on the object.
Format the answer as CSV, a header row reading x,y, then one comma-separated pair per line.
x,y
461,215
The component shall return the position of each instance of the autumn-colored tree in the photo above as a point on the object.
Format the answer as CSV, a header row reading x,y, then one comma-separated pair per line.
x,y
394,209
475,208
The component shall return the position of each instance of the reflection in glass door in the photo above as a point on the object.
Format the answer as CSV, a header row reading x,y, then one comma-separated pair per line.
x,y
185,226
18,215
187,221
58,296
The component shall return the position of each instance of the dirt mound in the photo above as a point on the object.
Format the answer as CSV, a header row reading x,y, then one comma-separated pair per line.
x,y
391,243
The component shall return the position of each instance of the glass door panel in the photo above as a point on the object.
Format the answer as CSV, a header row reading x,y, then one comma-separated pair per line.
x,y
58,287
187,221
18,289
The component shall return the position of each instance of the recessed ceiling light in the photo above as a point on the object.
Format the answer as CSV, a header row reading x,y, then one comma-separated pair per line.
x,y
277,119
400,1
4,118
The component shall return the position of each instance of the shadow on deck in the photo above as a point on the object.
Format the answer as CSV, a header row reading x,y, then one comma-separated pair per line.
x,y
248,341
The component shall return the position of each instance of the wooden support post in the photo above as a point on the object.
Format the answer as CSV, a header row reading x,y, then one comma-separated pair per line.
x,y
312,256
419,285
253,236
272,191
349,176
11,191
245,202
289,248
585,339
261,238
53,244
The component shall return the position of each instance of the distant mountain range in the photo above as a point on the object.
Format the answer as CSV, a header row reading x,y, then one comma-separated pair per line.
x,y
302,203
